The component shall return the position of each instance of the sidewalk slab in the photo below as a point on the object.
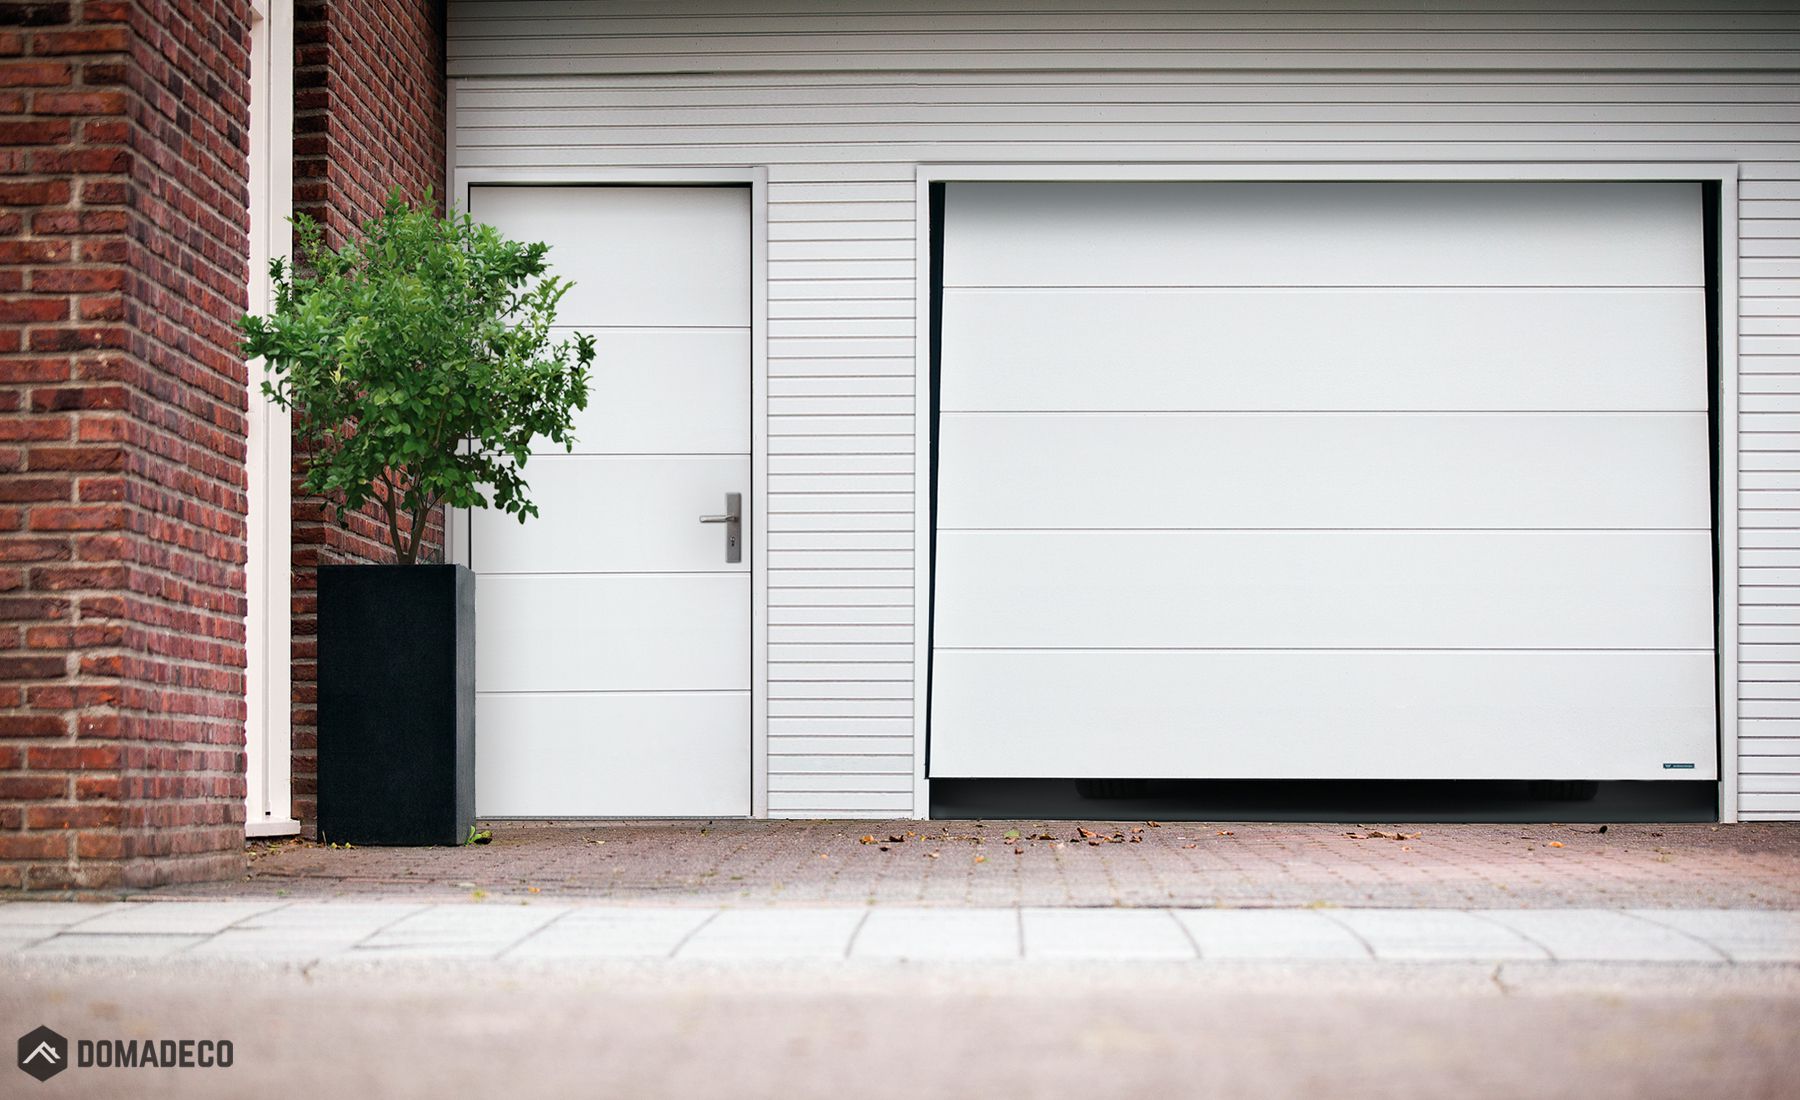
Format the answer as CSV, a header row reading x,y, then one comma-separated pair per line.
x,y
1585,935
305,930
194,918
774,934
1270,934
1743,935
274,945
938,934
608,932
1435,935
367,917
1104,934
460,931
16,915
118,945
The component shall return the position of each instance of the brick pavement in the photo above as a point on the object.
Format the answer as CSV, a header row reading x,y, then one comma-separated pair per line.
x,y
1051,863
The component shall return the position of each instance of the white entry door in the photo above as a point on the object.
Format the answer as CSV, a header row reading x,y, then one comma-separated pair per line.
x,y
1324,480
613,632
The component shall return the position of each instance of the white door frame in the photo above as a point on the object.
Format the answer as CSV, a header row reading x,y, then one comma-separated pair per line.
x,y
1725,532
456,521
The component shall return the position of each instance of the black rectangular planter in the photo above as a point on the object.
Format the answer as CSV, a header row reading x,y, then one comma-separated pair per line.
x,y
396,760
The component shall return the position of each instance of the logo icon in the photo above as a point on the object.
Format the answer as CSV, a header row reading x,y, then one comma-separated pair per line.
x,y
43,1053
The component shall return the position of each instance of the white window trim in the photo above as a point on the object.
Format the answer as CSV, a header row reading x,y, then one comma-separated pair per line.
x,y
268,688
1726,534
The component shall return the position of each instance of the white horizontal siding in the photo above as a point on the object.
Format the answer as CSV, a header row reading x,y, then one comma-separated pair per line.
x,y
841,105
1769,464
818,35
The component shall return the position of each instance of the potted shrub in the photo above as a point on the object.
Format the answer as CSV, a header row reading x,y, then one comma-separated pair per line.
x,y
418,363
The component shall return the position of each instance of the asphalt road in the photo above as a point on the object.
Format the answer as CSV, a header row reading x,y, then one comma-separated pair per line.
x,y
661,1029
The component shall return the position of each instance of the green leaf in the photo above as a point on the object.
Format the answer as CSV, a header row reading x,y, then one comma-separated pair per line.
x,y
417,360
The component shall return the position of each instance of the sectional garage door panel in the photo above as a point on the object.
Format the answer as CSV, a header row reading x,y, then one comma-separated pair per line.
x,y
1565,470
1326,589
1385,235
1364,714
1323,480
1310,349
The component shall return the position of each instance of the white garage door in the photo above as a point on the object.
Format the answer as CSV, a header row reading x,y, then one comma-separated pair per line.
x,y
612,633
1323,480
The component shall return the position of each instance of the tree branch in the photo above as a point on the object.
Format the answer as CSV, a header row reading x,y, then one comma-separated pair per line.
x,y
418,524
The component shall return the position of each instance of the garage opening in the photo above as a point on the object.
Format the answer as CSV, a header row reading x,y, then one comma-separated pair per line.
x,y
1323,483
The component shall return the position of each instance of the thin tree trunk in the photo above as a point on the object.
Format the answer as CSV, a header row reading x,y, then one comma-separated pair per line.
x,y
393,518
418,528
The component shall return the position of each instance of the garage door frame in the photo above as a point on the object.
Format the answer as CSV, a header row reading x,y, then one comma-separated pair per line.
x,y
456,522
1725,398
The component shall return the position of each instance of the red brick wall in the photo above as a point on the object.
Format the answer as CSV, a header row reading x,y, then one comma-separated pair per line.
x,y
122,418
368,116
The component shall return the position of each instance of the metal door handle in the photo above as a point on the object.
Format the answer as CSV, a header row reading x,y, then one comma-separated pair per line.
x,y
733,519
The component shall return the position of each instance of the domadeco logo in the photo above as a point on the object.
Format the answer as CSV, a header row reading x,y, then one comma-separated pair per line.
x,y
43,1053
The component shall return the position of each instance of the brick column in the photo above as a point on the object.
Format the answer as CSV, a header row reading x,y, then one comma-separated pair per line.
x,y
368,115
123,244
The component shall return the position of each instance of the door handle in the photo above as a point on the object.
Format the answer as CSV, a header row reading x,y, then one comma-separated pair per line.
x,y
733,519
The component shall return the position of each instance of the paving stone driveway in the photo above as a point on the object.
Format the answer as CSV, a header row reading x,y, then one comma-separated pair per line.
x,y
1060,863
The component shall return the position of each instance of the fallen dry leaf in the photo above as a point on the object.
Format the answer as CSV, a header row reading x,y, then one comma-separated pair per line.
x,y
1556,844
866,840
